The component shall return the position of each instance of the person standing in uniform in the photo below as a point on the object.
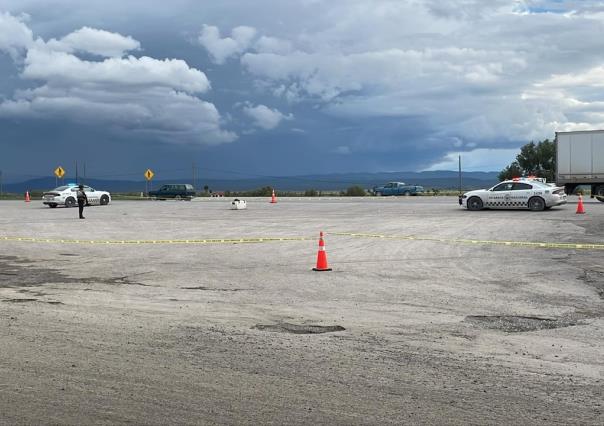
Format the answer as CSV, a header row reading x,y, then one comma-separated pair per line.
x,y
82,200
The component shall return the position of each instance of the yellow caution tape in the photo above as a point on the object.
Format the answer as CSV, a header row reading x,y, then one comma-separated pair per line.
x,y
581,246
189,241
573,246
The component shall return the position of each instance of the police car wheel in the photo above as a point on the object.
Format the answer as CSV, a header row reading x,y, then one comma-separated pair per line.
x,y
536,204
104,200
474,204
70,202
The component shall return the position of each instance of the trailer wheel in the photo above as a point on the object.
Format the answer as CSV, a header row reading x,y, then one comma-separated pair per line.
x,y
599,193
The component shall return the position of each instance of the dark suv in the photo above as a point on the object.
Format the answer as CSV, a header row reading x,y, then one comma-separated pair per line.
x,y
176,191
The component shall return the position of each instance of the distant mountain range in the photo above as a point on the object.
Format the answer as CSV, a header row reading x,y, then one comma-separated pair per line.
x,y
328,182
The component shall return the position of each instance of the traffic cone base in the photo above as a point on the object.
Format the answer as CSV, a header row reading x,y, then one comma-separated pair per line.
x,y
321,262
580,207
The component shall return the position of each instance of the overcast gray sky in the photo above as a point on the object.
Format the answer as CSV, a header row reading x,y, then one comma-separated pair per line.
x,y
278,87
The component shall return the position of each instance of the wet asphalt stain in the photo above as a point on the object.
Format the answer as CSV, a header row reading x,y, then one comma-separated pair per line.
x,y
519,324
212,289
125,280
299,329
18,273
22,273
26,300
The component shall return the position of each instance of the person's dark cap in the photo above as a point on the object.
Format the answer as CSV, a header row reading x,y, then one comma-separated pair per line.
x,y
81,186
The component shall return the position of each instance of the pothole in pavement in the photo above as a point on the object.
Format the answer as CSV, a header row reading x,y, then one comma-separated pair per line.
x,y
519,324
299,329
594,279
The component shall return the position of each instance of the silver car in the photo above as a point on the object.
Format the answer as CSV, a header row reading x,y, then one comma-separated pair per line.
x,y
518,193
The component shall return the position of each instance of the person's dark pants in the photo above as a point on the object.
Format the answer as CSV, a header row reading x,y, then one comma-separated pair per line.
x,y
81,208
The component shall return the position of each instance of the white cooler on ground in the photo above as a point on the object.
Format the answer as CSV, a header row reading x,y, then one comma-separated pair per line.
x,y
237,204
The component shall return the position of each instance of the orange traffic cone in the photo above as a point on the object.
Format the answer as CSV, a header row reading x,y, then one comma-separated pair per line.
x,y
27,198
273,198
580,208
321,256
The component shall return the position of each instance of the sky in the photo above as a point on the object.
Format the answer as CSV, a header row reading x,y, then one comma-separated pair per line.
x,y
243,88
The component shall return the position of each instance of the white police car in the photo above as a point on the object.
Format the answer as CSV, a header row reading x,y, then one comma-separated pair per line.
x,y
519,193
66,196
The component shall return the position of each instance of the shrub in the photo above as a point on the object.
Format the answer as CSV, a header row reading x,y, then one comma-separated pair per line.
x,y
355,191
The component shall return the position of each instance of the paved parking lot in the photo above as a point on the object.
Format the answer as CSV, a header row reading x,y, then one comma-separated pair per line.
x,y
189,312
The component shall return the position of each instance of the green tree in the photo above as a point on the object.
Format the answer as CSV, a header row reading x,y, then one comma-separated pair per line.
x,y
511,171
534,159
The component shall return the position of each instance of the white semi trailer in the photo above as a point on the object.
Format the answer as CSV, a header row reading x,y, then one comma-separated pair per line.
x,y
580,161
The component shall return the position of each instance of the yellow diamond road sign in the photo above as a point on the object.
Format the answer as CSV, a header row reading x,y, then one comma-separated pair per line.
x,y
149,174
59,172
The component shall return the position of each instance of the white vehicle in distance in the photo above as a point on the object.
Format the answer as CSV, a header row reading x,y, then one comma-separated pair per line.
x,y
66,196
519,193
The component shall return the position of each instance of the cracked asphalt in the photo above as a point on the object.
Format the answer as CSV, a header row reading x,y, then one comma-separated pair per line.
x,y
400,332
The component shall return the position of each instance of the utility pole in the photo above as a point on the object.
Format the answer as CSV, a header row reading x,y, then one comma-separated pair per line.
x,y
0,183
194,175
76,167
460,174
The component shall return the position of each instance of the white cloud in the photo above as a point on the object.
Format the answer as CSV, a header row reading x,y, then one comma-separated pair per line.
x,y
273,45
464,67
65,68
264,117
477,160
221,49
141,94
97,42
15,35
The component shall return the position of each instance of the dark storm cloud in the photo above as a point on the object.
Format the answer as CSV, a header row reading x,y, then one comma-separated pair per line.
x,y
317,85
